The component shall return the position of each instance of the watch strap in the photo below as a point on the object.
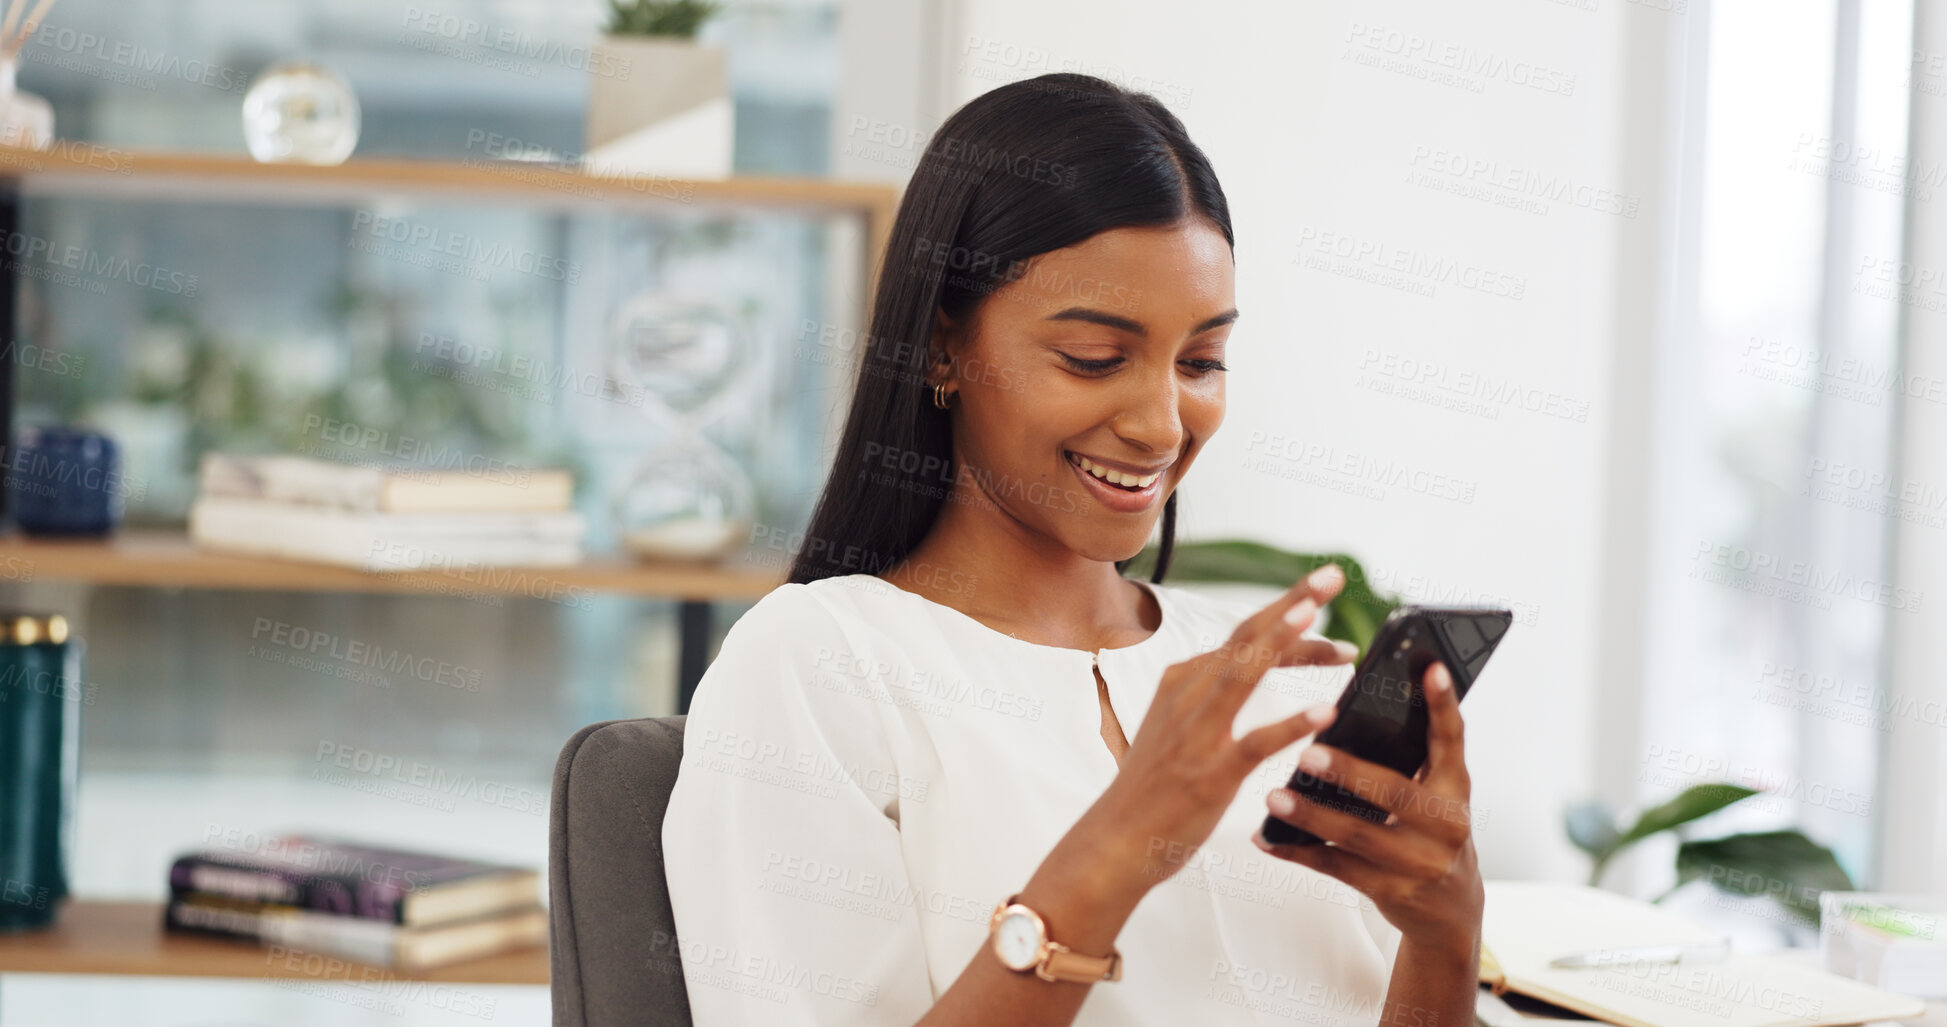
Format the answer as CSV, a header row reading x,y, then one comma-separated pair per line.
x,y
1062,964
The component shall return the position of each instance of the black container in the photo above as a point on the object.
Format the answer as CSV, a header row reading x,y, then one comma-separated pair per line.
x,y
40,747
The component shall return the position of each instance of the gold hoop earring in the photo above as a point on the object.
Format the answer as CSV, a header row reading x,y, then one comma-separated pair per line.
x,y
939,395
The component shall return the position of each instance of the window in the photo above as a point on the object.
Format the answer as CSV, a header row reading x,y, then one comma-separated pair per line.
x,y
1774,490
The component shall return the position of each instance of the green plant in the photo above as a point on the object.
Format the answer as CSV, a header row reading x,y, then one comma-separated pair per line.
x,y
679,18
391,401
1785,865
1353,615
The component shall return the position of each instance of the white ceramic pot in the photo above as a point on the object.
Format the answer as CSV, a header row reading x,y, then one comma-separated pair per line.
x,y
659,105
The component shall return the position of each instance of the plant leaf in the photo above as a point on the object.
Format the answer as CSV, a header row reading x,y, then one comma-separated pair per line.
x,y
1592,827
1354,614
1785,865
1690,804
680,18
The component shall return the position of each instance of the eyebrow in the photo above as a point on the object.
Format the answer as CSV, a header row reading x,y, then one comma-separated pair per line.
x,y
1123,324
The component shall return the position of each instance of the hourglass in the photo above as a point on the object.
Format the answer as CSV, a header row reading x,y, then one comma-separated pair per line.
x,y
687,499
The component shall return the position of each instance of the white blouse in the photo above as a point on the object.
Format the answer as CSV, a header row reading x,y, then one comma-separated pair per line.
x,y
866,773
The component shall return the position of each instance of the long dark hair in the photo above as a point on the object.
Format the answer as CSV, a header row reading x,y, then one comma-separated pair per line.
x,y
1022,170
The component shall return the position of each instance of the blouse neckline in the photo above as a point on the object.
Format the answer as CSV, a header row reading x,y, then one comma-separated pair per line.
x,y
1165,621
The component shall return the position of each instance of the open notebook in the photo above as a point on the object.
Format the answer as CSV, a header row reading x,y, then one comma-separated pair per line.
x,y
1527,924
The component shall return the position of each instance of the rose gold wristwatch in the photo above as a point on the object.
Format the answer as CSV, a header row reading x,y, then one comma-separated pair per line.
x,y
1020,939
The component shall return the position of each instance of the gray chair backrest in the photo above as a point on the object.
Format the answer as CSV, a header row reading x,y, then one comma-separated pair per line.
x,y
612,955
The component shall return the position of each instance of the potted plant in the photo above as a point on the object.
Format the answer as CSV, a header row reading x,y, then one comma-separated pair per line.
x,y
658,101
1781,866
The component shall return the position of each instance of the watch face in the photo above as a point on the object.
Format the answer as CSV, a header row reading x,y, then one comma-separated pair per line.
x,y
1017,942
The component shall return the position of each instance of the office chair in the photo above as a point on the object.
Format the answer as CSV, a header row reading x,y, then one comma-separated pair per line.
x,y
612,953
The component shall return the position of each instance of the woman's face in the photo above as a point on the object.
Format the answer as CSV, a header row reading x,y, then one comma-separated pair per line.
x,y
1084,388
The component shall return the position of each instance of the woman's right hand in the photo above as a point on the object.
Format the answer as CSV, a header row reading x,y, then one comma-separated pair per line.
x,y
1184,767
1178,776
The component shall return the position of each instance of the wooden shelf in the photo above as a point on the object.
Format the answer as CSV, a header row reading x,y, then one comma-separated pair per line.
x,y
83,167
73,168
127,938
168,560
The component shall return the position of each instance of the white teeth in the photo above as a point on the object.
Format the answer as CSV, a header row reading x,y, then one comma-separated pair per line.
x,y
1133,481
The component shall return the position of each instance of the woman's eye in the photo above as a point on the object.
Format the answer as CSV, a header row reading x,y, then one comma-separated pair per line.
x,y
1091,366
1204,366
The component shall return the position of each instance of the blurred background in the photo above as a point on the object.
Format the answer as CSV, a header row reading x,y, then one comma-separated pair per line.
x,y
1630,316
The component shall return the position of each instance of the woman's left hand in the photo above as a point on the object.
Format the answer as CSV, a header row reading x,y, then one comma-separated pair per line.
x,y
1418,867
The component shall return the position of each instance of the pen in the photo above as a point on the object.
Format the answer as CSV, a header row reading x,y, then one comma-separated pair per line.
x,y
1643,954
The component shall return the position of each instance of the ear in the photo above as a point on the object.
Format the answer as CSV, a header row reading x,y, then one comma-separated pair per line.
x,y
944,348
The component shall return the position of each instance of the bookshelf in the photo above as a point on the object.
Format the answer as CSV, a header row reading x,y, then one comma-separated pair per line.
x,y
79,169
127,938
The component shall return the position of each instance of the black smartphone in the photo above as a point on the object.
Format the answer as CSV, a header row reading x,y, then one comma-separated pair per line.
x,y
1382,712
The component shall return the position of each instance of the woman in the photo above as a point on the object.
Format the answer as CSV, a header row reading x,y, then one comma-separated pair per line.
x,y
959,704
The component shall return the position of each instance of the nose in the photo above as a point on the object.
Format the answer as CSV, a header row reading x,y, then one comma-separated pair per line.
x,y
1150,418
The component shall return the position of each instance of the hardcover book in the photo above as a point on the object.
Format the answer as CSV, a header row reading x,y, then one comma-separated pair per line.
x,y
476,486
368,941
343,879
386,541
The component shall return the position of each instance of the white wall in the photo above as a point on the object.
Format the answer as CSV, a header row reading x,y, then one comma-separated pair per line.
x,y
1318,117
889,88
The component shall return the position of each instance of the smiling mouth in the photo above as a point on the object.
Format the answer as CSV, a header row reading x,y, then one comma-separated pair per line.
x,y
1115,479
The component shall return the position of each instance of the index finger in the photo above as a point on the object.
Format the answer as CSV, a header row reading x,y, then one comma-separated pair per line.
x,y
1446,757
1298,607
1275,635
1271,637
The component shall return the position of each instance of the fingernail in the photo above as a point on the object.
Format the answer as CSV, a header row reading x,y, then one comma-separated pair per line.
x,y
1346,649
1313,760
1325,576
1280,802
1301,611
1439,679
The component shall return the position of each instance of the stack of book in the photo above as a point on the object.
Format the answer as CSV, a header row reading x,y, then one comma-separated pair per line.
x,y
385,518
406,910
